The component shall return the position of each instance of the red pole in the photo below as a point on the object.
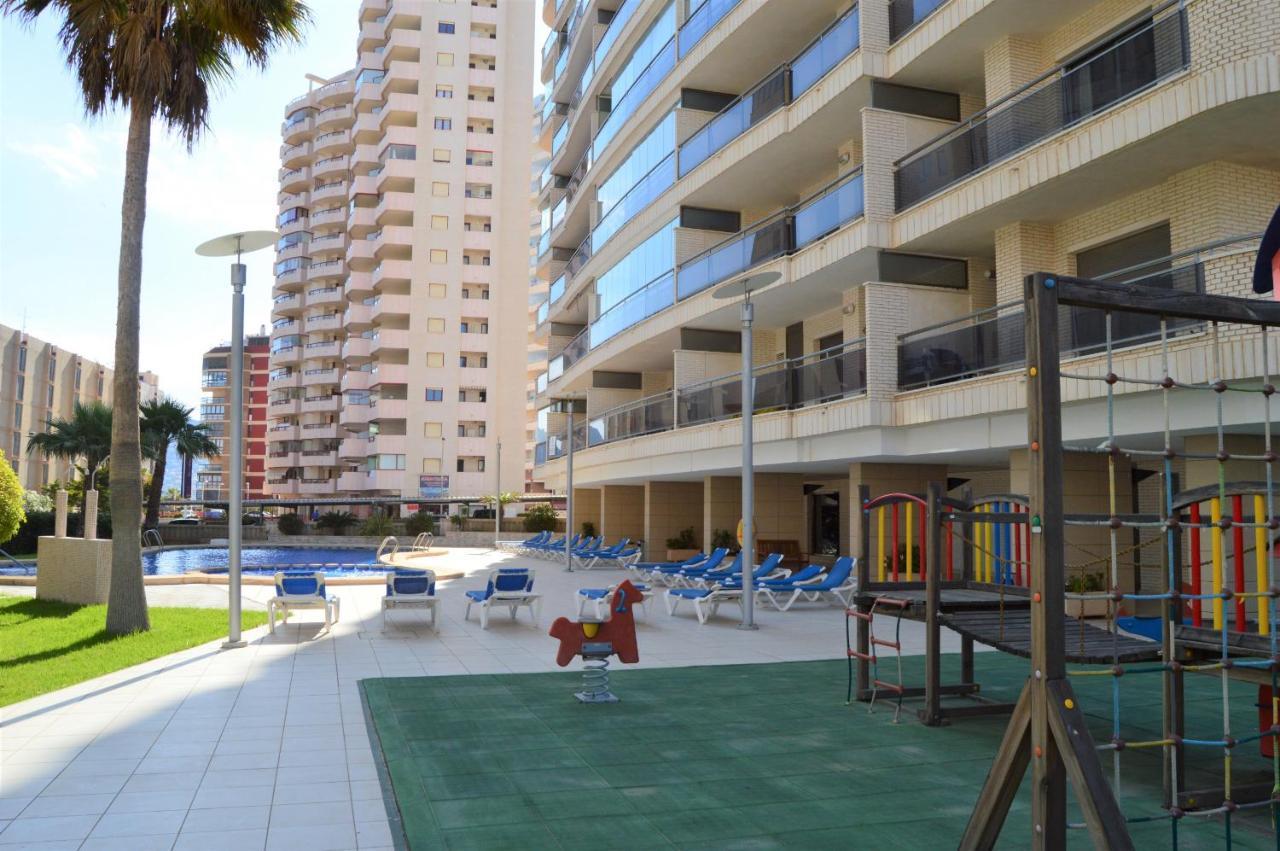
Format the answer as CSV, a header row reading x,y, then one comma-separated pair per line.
x,y
895,542
1017,545
1196,614
923,523
1237,545
950,557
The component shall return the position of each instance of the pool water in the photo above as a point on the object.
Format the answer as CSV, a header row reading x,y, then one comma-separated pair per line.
x,y
258,561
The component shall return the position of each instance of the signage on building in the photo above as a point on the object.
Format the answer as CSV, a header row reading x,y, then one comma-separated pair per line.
x,y
433,487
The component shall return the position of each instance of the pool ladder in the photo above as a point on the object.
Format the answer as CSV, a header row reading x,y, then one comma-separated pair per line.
x,y
423,542
150,535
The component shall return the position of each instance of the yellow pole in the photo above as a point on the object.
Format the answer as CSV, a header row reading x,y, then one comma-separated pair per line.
x,y
977,548
1260,556
880,544
1215,537
909,538
988,538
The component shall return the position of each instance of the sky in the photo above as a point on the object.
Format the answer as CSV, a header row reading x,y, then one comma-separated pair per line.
x,y
60,183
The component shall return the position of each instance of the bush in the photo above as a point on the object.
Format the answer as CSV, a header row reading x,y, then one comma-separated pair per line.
x,y
376,526
723,539
458,520
337,522
12,512
540,518
37,523
36,501
290,524
686,540
588,529
419,523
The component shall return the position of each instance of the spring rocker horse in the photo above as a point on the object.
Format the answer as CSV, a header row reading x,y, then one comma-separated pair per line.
x,y
596,641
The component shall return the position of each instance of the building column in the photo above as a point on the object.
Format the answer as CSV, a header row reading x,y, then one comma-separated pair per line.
x,y
622,512
1021,249
721,506
670,507
1009,64
586,509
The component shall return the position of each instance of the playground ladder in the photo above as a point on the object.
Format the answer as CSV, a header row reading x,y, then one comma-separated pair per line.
x,y
873,657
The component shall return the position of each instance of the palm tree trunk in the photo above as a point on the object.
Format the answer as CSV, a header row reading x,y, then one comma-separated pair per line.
x,y
127,598
157,484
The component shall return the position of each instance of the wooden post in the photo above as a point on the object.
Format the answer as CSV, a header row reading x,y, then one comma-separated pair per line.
x,y
932,712
1049,733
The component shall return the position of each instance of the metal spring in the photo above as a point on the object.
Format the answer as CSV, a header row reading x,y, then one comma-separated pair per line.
x,y
595,677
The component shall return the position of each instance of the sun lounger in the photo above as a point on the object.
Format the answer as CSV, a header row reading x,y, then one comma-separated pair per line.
x,y
838,584
414,589
300,589
509,587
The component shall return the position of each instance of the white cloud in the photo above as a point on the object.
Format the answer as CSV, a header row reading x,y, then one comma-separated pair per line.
x,y
227,182
73,155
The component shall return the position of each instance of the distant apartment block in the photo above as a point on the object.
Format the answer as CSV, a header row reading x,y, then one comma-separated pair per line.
x,y
40,382
399,350
217,407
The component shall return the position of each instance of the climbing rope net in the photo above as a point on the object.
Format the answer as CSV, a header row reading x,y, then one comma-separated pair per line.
x,y
1255,598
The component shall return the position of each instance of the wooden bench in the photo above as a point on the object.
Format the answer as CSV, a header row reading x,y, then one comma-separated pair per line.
x,y
792,556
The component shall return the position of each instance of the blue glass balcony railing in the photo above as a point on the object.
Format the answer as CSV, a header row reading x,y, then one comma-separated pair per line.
x,y
905,14
655,296
556,291
626,105
780,88
830,209
700,22
543,309
557,141
658,180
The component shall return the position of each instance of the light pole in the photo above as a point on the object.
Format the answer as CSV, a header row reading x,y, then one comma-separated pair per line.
x,y
497,500
568,487
745,287
225,246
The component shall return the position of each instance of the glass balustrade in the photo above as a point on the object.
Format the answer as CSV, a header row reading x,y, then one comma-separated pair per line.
x,y
635,308
640,196
829,210
905,14
625,106
840,40
556,290
700,22
634,419
760,243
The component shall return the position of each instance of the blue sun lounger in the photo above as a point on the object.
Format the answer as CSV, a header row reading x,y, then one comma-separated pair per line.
x,y
839,584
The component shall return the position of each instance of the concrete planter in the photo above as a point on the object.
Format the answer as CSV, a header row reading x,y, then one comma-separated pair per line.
x,y
1087,608
681,555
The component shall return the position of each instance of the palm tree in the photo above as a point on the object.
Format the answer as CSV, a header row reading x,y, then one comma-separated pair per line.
x,y
84,440
154,58
168,422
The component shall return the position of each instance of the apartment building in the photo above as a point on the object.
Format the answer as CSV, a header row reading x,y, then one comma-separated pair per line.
x,y
40,382
902,164
398,341
537,360
217,407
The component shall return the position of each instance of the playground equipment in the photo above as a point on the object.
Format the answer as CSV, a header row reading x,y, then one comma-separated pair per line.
x,y
1047,731
596,640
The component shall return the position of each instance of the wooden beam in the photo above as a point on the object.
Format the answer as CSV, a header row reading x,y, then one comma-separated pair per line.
x,y
932,714
1132,298
1001,787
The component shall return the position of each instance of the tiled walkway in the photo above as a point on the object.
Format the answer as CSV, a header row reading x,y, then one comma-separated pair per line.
x,y
267,747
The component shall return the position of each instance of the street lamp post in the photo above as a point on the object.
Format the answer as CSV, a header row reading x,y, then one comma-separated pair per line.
x,y
225,246
568,499
497,501
745,287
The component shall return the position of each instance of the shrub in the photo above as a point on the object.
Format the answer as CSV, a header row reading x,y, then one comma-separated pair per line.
x,y
540,518
902,560
290,524
421,522
377,526
588,529
336,522
723,539
1086,583
37,523
12,512
458,520
686,540
36,501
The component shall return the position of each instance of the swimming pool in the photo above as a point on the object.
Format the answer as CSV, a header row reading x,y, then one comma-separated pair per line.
x,y
254,561
334,561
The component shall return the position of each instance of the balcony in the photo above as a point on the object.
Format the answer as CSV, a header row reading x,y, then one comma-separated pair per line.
x,y
335,117
387,480
321,349
701,21
330,216
1062,98
317,487
472,447
295,179
318,458
335,190
905,14
353,448
330,168
316,377
356,349
354,417
281,460
321,296
284,407
288,356
323,322
388,444
357,316
352,481
389,373
389,409
278,434
286,304
389,340
386,307
326,271
359,286
388,271
319,431
295,156
292,379
355,379
282,487
323,404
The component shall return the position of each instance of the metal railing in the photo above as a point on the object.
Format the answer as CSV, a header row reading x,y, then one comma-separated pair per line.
x,y
1059,99
645,416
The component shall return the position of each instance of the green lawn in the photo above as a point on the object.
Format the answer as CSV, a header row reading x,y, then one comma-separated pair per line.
x,y
751,757
45,646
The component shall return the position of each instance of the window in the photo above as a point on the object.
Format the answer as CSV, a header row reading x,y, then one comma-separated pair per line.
x,y
435,394
480,465
49,402
444,60
431,465
17,450
439,222
17,416
443,123
21,385
480,158
439,255
435,358
78,371
439,189
444,92
441,155
435,326
445,27
432,430
437,290
461,466
53,367
22,358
